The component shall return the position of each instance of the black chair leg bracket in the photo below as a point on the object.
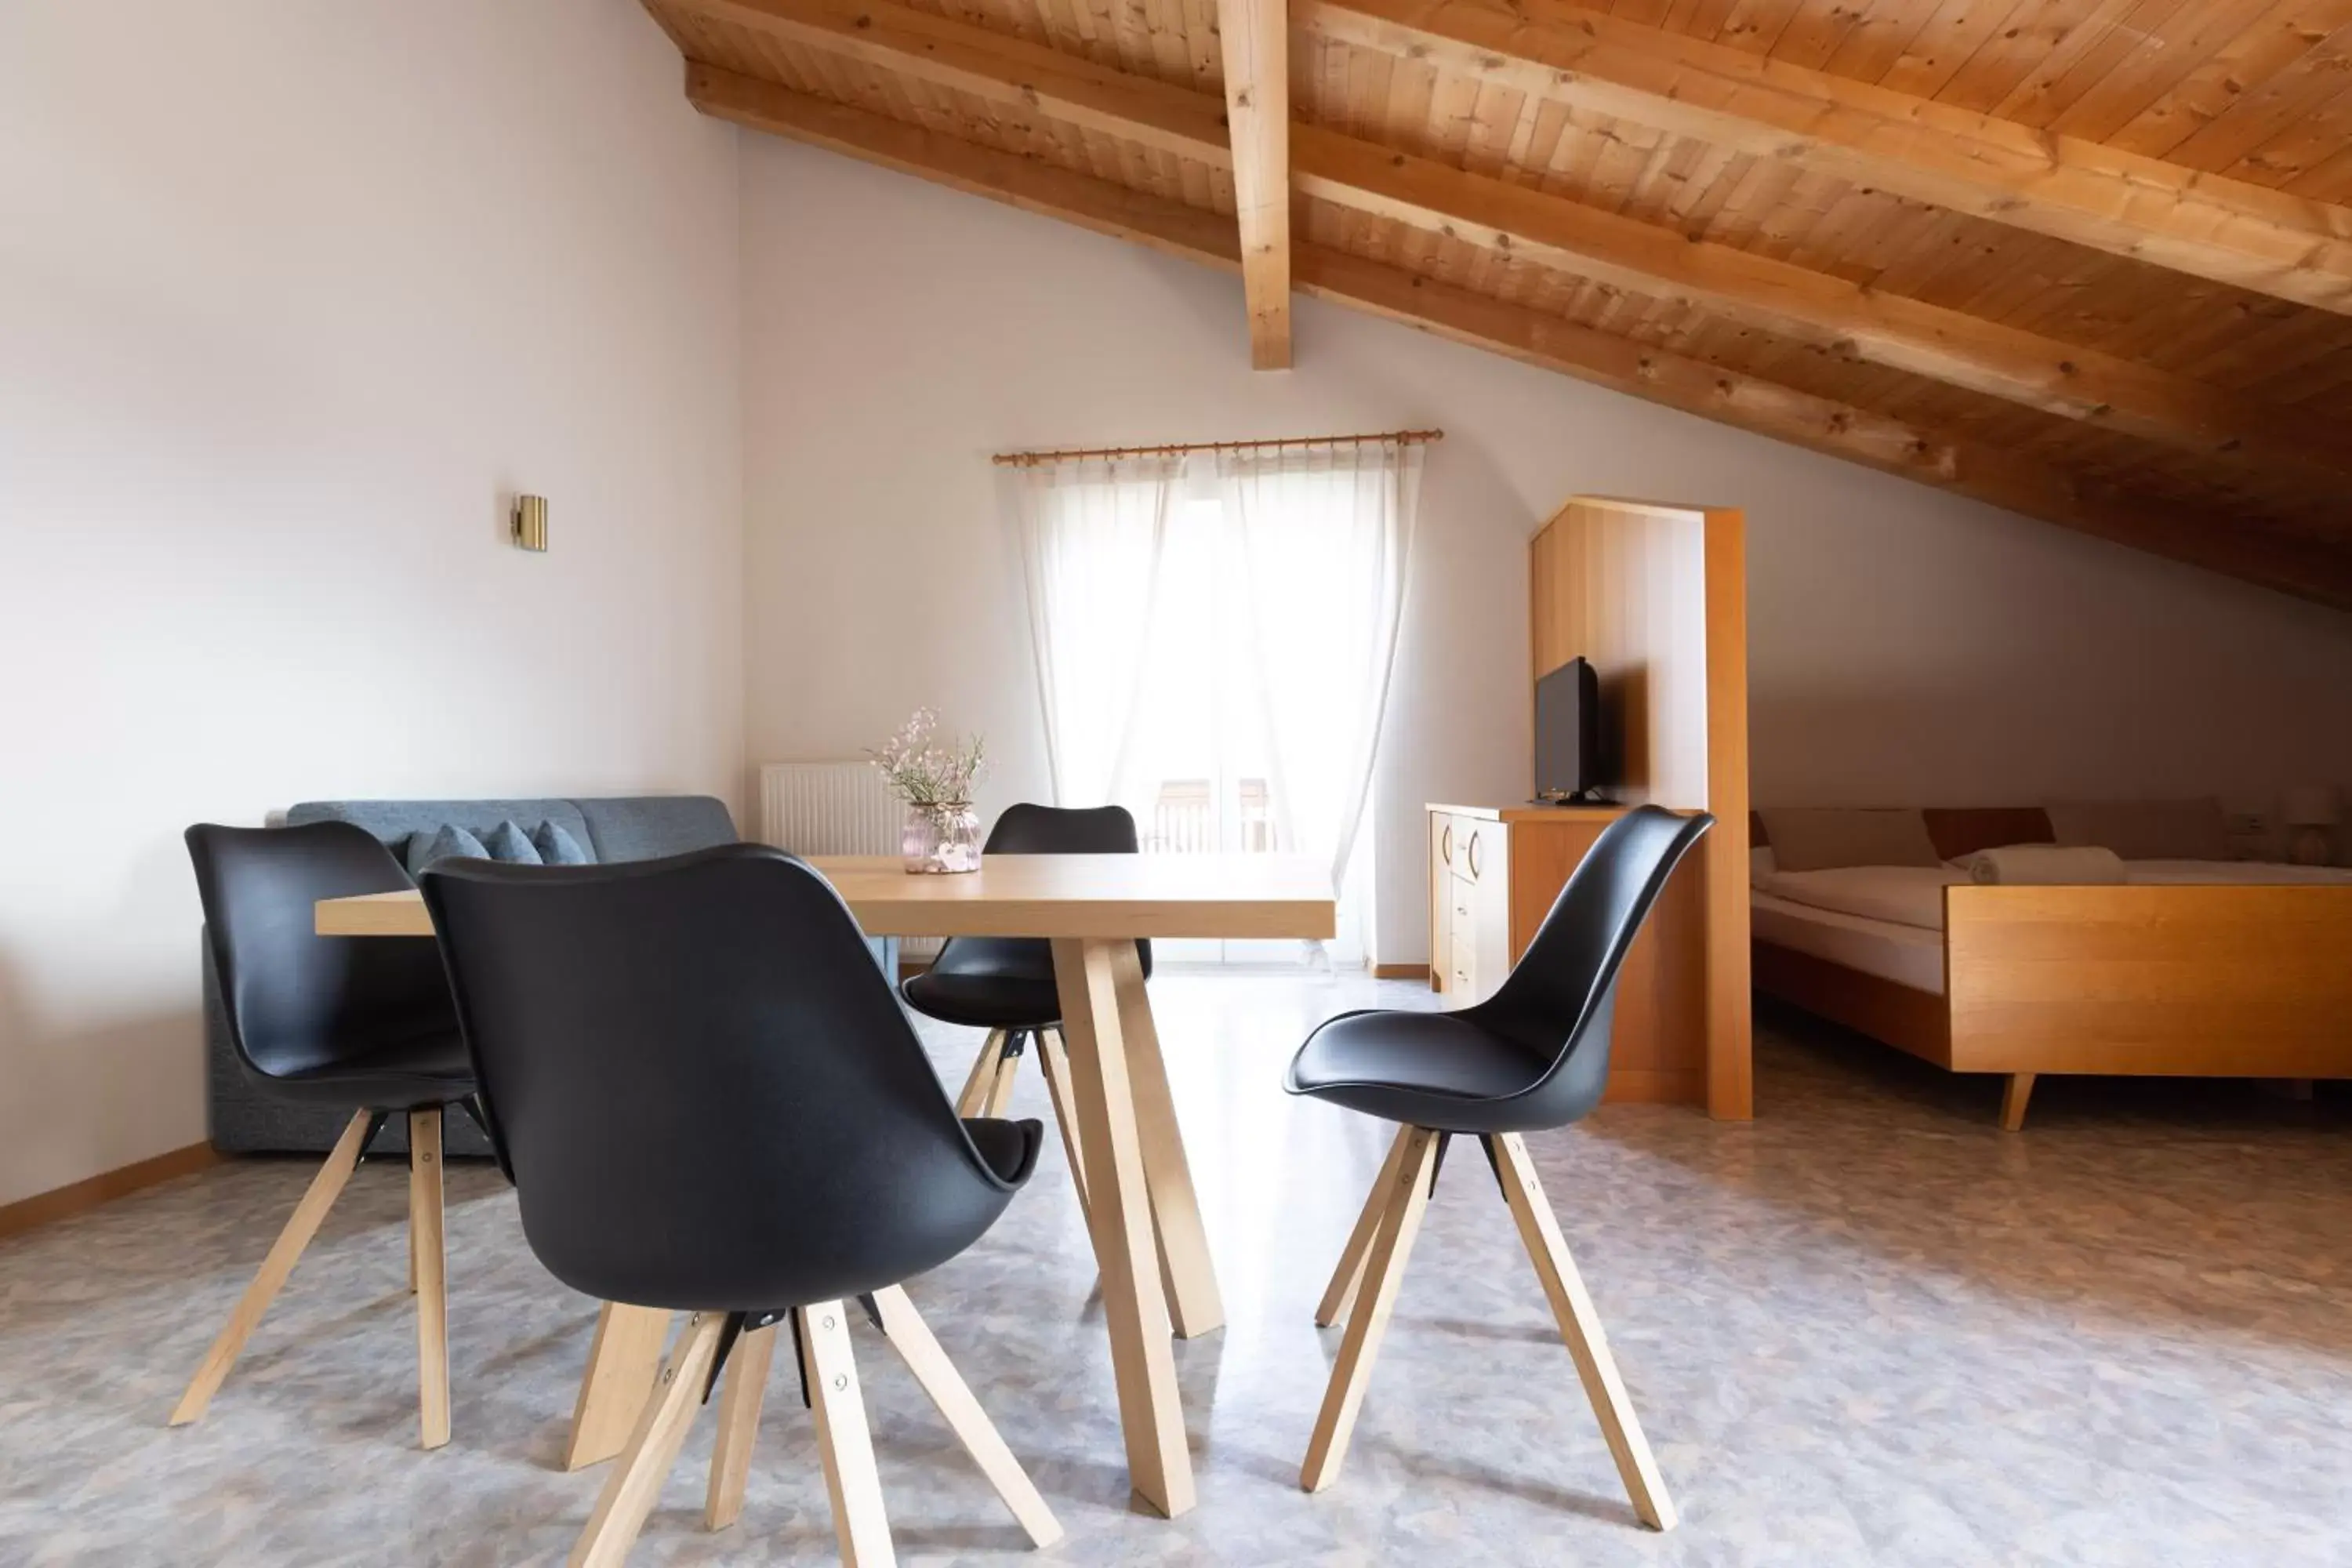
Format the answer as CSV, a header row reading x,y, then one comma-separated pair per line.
x,y
1494,1162
737,1325
472,1106
376,1120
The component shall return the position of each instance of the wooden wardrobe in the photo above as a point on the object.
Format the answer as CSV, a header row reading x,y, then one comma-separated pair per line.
x,y
1656,596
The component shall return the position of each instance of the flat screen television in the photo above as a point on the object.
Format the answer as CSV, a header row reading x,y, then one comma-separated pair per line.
x,y
1567,733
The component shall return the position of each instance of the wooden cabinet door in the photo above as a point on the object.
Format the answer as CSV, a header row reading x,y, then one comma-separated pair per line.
x,y
1440,902
1482,916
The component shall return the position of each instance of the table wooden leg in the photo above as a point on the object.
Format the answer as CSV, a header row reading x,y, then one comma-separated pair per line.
x,y
1190,1279
1143,1361
622,1365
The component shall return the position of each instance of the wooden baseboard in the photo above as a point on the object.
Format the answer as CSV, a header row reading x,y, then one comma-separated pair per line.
x,y
60,1202
1399,972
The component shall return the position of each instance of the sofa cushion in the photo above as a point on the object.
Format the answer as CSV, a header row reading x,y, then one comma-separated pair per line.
x,y
510,842
393,821
607,827
446,842
556,845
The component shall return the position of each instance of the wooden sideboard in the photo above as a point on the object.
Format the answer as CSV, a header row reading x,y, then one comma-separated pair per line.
x,y
1493,875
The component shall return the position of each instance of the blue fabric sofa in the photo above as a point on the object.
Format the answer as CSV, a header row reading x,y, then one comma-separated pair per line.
x,y
244,1119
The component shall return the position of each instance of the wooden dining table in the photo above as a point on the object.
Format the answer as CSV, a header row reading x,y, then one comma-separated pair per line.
x,y
1158,1281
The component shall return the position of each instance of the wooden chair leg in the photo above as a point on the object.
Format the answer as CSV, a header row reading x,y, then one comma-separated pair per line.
x,y
284,1253
1406,1198
2012,1101
622,1363
739,1427
1054,1058
1579,1325
1008,1070
847,1447
911,1337
428,1254
973,1100
636,1483
1339,1296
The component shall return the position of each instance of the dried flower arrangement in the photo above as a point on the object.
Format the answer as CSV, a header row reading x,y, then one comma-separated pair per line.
x,y
924,768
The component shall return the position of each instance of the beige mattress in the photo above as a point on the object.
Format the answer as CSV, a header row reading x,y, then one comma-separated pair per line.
x,y
1908,955
1898,895
1913,895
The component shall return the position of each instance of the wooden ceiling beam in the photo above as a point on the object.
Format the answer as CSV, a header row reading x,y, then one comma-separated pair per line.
x,y
1256,38
1819,307
993,66
1194,234
1778,297
1750,402
2126,204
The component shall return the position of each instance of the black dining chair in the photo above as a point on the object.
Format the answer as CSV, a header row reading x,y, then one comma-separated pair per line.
x,y
1531,1057
338,1021
709,1101
1005,984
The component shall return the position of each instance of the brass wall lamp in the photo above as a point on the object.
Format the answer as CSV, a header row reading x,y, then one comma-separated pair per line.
x,y
531,522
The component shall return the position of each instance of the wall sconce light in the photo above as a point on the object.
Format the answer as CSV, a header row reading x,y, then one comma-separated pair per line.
x,y
531,522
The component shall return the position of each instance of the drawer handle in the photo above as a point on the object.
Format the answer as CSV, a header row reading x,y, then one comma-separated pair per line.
x,y
1473,854
1445,844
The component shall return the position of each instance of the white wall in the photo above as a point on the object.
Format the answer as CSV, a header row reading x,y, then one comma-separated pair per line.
x,y
1906,646
291,298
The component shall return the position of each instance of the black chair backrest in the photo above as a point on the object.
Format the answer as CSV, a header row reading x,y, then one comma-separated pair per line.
x,y
1559,999
1026,829
705,1092
297,1002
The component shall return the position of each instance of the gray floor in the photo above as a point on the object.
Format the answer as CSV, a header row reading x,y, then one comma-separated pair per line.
x,y
1867,1328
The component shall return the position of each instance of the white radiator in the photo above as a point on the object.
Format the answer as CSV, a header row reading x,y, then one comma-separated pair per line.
x,y
834,808
828,808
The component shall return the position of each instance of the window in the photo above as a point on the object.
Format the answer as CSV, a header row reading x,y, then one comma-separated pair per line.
x,y
1213,643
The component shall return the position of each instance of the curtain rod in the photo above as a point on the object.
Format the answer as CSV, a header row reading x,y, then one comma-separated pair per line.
x,y
1034,459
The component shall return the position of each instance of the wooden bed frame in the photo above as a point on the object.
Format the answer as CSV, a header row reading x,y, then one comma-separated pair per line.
x,y
2214,982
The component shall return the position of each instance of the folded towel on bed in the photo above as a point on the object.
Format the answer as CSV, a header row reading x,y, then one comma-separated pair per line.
x,y
2044,865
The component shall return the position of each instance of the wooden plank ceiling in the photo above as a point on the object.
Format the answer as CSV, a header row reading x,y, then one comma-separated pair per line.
x,y
2087,259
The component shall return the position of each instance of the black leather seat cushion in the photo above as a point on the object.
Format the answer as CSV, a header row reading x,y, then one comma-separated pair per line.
x,y
996,983
1007,982
402,1075
1431,1070
1010,1148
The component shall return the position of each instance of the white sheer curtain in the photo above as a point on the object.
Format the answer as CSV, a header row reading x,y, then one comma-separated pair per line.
x,y
1326,532
1092,536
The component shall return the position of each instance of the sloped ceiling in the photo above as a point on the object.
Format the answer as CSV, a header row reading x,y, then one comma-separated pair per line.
x,y
2091,262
